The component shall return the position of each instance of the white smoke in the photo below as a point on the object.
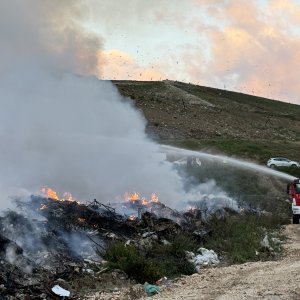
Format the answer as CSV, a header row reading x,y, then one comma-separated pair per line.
x,y
64,130
77,134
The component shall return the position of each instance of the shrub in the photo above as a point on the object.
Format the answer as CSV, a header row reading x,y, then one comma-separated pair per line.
x,y
133,263
156,262
181,243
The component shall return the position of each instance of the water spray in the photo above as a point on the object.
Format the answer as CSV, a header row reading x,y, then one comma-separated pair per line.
x,y
227,160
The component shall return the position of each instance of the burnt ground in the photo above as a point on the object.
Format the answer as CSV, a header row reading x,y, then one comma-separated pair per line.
x,y
48,242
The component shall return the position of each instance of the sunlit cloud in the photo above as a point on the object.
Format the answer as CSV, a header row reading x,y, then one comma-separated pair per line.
x,y
253,52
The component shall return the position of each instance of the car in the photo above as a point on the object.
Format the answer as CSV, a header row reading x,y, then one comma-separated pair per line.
x,y
282,162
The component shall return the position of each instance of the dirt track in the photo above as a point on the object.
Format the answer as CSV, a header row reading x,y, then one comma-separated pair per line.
x,y
257,280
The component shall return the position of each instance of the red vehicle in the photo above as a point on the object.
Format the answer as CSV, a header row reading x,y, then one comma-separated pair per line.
x,y
293,190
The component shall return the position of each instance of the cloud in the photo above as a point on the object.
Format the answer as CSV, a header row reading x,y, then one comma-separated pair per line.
x,y
255,50
248,46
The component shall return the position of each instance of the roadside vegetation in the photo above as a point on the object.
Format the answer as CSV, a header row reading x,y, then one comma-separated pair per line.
x,y
152,263
238,238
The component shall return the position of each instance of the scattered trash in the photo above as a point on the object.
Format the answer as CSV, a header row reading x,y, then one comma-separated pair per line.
x,y
204,258
162,281
151,289
58,290
265,244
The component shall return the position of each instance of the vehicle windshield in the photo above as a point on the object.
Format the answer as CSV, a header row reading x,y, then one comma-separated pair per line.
x,y
297,188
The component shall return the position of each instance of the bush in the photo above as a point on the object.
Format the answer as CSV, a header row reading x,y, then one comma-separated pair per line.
x,y
181,243
156,262
133,263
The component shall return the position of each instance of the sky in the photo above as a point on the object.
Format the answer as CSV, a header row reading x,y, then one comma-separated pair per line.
x,y
249,46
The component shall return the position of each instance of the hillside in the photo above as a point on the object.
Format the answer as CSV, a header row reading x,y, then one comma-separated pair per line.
x,y
216,120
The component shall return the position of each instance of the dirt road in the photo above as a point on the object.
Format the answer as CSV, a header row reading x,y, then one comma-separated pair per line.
x,y
257,280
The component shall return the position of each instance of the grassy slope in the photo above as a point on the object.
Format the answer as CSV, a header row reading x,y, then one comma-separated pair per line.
x,y
258,112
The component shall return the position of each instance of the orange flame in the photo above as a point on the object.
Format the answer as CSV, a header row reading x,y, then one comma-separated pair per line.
x,y
50,193
136,196
132,197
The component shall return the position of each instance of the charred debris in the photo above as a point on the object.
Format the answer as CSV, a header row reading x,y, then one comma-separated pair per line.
x,y
47,242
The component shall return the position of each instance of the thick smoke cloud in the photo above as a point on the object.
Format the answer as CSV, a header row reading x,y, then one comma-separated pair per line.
x,y
63,129
77,134
67,131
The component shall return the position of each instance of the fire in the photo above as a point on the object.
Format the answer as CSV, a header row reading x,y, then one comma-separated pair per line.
x,y
67,196
136,197
132,197
51,194
154,198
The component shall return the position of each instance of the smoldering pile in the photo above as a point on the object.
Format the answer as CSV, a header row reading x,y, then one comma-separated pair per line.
x,y
48,240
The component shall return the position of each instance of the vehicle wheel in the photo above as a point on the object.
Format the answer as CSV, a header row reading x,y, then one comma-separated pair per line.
x,y
296,219
272,166
294,166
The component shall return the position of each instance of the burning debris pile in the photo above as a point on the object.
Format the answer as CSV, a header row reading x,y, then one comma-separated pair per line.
x,y
51,239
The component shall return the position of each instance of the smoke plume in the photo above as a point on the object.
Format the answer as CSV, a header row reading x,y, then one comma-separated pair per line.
x,y
61,128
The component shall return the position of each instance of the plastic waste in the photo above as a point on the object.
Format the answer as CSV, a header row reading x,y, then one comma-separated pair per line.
x,y
151,289
58,290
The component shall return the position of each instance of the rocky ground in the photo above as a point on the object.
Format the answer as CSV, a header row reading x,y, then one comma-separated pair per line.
x,y
255,280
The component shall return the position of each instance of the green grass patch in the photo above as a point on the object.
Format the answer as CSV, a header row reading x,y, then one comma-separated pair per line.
x,y
238,237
